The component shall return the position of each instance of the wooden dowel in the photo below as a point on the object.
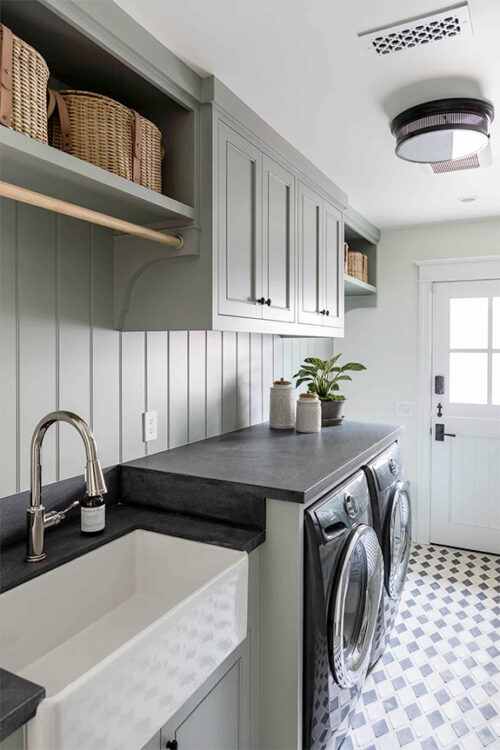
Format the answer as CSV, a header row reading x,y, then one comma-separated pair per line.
x,y
85,214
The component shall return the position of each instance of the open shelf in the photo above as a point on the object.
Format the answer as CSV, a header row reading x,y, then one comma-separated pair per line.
x,y
77,61
355,287
33,165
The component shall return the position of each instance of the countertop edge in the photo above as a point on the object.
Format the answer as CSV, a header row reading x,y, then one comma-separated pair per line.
x,y
16,715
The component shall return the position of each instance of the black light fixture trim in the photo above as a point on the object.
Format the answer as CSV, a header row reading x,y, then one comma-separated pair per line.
x,y
473,115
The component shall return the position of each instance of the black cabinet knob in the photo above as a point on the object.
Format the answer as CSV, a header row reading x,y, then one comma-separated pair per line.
x,y
261,301
172,745
328,312
268,302
322,312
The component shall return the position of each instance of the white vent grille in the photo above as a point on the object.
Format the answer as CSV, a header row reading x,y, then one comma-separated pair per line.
x,y
416,32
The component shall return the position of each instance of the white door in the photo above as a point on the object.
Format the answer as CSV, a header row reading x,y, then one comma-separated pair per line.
x,y
465,480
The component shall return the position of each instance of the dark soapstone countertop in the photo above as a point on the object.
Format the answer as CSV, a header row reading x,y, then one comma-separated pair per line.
x,y
278,464
65,542
18,701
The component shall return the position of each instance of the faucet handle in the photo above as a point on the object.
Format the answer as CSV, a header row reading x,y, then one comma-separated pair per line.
x,y
63,513
54,517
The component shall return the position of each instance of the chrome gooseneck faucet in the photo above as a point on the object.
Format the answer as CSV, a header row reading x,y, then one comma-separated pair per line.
x,y
37,519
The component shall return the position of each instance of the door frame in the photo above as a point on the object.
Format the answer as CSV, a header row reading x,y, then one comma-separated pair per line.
x,y
479,268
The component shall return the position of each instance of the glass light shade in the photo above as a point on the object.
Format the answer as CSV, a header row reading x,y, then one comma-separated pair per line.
x,y
441,145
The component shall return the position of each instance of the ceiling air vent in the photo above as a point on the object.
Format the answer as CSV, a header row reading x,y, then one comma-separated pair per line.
x,y
446,24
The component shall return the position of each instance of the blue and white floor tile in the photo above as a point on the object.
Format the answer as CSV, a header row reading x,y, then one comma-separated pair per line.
x,y
437,686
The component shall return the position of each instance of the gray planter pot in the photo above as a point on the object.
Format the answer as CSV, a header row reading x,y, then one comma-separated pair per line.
x,y
331,413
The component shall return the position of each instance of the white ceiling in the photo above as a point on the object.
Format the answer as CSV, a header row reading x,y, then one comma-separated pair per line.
x,y
300,66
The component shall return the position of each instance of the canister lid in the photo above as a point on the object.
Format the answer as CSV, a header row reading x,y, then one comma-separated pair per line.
x,y
308,395
282,381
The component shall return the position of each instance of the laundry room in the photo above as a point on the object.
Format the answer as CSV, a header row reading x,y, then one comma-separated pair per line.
x,y
249,375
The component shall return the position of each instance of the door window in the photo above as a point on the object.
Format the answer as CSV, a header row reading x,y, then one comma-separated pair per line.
x,y
473,361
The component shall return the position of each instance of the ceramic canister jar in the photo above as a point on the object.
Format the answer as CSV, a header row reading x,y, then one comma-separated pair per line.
x,y
282,405
308,413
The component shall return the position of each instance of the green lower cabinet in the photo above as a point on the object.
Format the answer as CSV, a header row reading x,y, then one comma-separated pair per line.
x,y
14,741
217,716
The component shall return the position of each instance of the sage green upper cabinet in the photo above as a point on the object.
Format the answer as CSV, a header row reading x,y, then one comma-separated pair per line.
x,y
240,225
311,256
278,248
320,261
334,266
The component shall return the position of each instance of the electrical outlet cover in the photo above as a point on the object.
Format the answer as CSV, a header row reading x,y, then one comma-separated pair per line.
x,y
403,408
149,426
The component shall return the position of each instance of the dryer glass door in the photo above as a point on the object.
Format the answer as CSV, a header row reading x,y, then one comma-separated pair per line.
x,y
354,603
397,539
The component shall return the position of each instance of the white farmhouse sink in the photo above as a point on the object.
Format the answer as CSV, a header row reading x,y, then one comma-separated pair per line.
x,y
122,636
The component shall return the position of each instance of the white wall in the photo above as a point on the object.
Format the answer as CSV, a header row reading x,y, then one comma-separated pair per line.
x,y
58,350
385,338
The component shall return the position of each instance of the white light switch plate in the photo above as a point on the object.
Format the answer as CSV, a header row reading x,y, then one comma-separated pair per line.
x,y
403,408
149,426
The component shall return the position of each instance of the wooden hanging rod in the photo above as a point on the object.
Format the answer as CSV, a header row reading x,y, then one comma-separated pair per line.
x,y
86,214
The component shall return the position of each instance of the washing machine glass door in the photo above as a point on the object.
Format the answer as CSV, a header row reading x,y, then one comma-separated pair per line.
x,y
397,539
354,603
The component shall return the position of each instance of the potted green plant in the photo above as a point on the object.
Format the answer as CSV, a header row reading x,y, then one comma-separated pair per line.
x,y
322,377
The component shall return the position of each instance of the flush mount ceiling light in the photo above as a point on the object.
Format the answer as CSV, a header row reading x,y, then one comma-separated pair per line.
x,y
442,130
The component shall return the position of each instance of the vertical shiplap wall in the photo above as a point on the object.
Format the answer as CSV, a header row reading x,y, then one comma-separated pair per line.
x,y
59,351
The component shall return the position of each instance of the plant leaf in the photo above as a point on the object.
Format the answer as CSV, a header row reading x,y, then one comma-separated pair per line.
x,y
344,377
353,366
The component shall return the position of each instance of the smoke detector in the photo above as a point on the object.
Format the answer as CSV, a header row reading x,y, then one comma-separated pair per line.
x,y
443,130
445,24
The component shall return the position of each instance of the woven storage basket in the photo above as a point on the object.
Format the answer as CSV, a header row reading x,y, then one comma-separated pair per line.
x,y
346,257
97,129
357,265
23,87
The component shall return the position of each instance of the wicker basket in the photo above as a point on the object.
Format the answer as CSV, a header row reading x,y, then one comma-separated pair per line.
x,y
346,257
108,134
357,264
23,87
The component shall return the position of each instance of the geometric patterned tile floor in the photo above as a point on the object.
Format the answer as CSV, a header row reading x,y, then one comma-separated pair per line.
x,y
438,683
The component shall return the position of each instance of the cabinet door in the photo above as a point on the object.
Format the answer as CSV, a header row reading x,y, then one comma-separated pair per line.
x,y
278,245
334,266
215,723
240,225
311,257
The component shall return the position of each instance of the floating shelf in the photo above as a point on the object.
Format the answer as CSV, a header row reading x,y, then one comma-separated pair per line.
x,y
355,287
33,165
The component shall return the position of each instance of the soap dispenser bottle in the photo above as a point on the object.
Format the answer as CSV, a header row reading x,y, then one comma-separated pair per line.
x,y
92,515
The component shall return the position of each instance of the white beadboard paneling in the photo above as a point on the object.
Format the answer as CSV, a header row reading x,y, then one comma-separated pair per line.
x,y
73,377
255,378
105,351
37,335
197,381
157,386
287,359
133,394
243,379
178,388
278,371
8,346
59,349
214,383
267,373
229,408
